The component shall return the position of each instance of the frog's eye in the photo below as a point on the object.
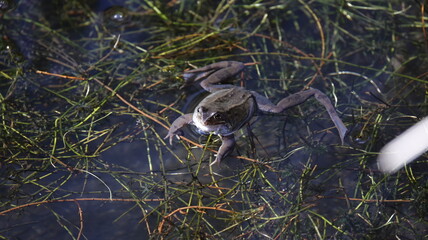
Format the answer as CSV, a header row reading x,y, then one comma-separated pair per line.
x,y
217,116
202,109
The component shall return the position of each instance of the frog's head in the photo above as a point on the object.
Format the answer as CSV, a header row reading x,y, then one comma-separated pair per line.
x,y
209,117
224,111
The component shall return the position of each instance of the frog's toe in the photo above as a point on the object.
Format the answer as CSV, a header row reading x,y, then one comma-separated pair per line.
x,y
169,136
216,161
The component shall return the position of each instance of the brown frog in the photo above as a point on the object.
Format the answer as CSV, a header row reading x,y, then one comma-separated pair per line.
x,y
229,107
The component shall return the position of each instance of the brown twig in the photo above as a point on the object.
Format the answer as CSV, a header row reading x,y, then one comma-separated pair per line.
x,y
81,220
80,199
160,226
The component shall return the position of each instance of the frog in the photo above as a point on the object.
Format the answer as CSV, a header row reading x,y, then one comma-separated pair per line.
x,y
228,107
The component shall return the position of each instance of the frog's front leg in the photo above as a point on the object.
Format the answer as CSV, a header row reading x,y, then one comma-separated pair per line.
x,y
227,146
177,124
214,73
297,98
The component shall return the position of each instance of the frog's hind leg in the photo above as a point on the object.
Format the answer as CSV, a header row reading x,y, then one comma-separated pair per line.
x,y
214,73
194,76
297,98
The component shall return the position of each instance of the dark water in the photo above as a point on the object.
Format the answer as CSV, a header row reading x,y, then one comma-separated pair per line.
x,y
372,56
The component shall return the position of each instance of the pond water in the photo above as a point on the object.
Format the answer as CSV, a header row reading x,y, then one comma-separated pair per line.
x,y
89,87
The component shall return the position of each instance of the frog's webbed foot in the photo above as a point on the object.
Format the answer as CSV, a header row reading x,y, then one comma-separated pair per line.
x,y
214,73
227,146
177,124
297,98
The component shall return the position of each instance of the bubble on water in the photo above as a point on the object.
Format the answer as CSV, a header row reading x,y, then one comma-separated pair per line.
x,y
115,15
